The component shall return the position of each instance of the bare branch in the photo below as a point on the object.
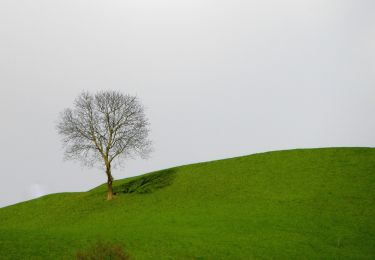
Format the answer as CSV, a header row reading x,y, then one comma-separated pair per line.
x,y
104,127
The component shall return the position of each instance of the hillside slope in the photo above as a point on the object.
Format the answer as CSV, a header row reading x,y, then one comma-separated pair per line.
x,y
296,204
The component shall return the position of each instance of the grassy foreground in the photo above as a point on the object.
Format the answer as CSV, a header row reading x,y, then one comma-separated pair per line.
x,y
296,204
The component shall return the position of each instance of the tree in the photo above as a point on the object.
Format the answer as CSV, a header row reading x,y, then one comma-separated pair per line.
x,y
104,128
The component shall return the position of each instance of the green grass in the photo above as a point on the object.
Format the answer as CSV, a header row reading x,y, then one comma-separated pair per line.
x,y
296,204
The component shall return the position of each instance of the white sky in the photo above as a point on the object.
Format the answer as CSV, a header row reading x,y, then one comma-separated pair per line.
x,y
220,78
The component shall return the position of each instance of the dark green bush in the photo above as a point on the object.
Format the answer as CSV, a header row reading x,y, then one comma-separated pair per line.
x,y
103,251
148,183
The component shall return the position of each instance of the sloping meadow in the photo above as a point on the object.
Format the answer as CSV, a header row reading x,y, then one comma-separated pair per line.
x,y
313,203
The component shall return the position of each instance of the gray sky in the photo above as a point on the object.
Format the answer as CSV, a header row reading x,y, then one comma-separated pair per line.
x,y
219,78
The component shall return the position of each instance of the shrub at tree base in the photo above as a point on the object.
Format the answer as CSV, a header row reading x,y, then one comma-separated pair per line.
x,y
103,251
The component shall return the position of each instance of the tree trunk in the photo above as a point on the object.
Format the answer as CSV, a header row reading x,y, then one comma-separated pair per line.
x,y
109,183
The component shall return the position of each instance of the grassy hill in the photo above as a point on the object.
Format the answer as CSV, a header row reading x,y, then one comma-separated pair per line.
x,y
296,204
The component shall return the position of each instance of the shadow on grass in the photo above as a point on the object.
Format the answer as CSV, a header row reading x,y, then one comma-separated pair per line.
x,y
148,183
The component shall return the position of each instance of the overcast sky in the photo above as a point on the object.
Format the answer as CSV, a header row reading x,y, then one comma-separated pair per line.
x,y
219,78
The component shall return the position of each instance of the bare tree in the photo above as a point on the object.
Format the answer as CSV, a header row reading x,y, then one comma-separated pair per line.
x,y
104,128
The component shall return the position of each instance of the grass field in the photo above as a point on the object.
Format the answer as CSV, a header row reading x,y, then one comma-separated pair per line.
x,y
296,204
